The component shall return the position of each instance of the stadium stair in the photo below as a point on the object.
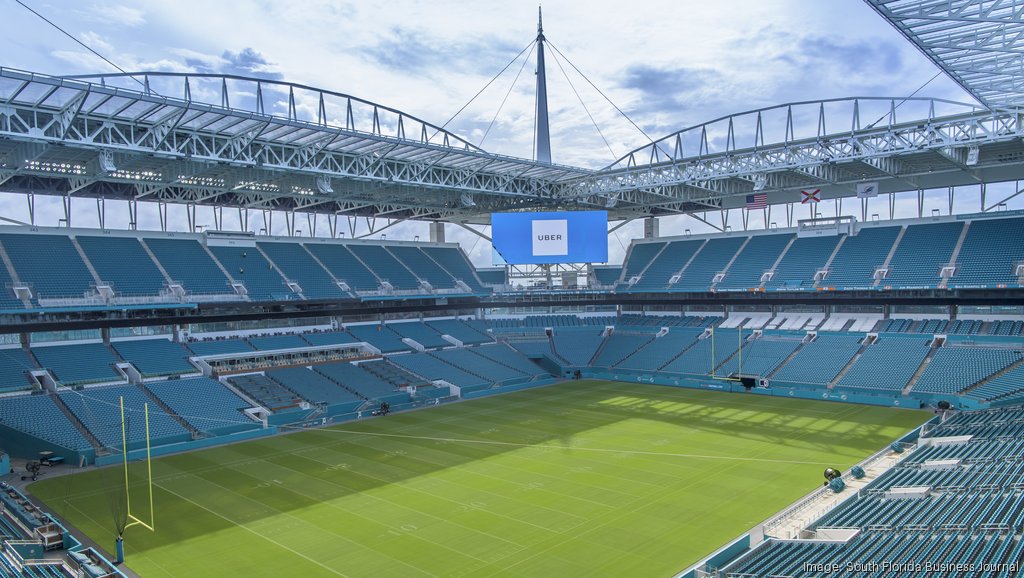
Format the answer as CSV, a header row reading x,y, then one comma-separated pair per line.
x,y
725,270
680,353
633,352
597,352
88,435
554,352
498,361
921,368
679,274
167,409
219,265
778,261
26,302
324,267
85,260
359,260
789,357
892,253
956,253
1012,367
853,360
274,266
828,264
654,258
466,369
159,265
739,351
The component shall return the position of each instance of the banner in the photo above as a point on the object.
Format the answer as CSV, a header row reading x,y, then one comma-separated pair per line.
x,y
867,190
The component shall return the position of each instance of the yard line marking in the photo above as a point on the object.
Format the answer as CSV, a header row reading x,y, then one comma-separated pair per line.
x,y
571,448
250,530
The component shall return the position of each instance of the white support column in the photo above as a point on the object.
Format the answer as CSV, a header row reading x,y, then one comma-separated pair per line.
x,y
437,232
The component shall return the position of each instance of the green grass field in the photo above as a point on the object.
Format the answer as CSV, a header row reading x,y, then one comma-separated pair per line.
x,y
585,478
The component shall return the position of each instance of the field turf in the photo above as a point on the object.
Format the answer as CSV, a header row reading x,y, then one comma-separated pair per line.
x,y
585,478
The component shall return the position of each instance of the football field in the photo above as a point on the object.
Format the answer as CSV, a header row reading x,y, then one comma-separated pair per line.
x,y
586,478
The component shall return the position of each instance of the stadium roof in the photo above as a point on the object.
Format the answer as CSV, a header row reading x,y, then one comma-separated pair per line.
x,y
979,43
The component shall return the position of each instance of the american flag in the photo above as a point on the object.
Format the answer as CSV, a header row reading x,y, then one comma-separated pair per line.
x,y
757,201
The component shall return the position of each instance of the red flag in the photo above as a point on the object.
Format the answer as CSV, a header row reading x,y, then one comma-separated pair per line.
x,y
810,196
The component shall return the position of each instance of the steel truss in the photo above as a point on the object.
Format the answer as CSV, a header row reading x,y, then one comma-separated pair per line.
x,y
318,152
978,43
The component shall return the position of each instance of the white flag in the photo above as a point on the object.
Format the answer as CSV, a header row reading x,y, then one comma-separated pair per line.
x,y
866,190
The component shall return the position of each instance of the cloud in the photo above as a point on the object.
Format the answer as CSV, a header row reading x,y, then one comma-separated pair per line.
x,y
117,14
416,50
246,62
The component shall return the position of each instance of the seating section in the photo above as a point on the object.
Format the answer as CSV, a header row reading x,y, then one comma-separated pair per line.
x,y
220,346
39,416
299,266
459,330
669,262
803,259
422,266
49,264
607,276
204,403
756,257
421,333
639,257
854,264
122,262
488,369
188,263
154,357
661,350
921,254
248,266
760,357
507,356
329,338
1006,328
14,367
454,261
392,374
619,346
712,259
380,337
887,365
386,266
343,265
432,368
266,392
361,382
990,254
1002,386
704,356
271,342
577,346
954,368
99,410
820,361
78,363
316,388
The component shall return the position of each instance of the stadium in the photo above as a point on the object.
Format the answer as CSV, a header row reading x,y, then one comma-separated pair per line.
x,y
763,382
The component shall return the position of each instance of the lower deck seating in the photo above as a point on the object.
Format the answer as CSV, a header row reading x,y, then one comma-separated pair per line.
x,y
266,392
315,388
39,416
460,330
505,355
485,367
14,367
577,346
954,368
99,410
361,382
220,346
205,404
432,368
886,365
820,361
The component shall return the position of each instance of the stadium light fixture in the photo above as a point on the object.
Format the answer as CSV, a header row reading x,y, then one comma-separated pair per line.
x,y
106,160
972,156
323,184
760,181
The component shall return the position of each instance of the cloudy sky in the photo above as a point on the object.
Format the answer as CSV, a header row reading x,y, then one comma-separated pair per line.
x,y
666,64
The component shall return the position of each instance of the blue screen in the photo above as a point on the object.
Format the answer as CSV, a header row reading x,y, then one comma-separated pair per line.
x,y
555,237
